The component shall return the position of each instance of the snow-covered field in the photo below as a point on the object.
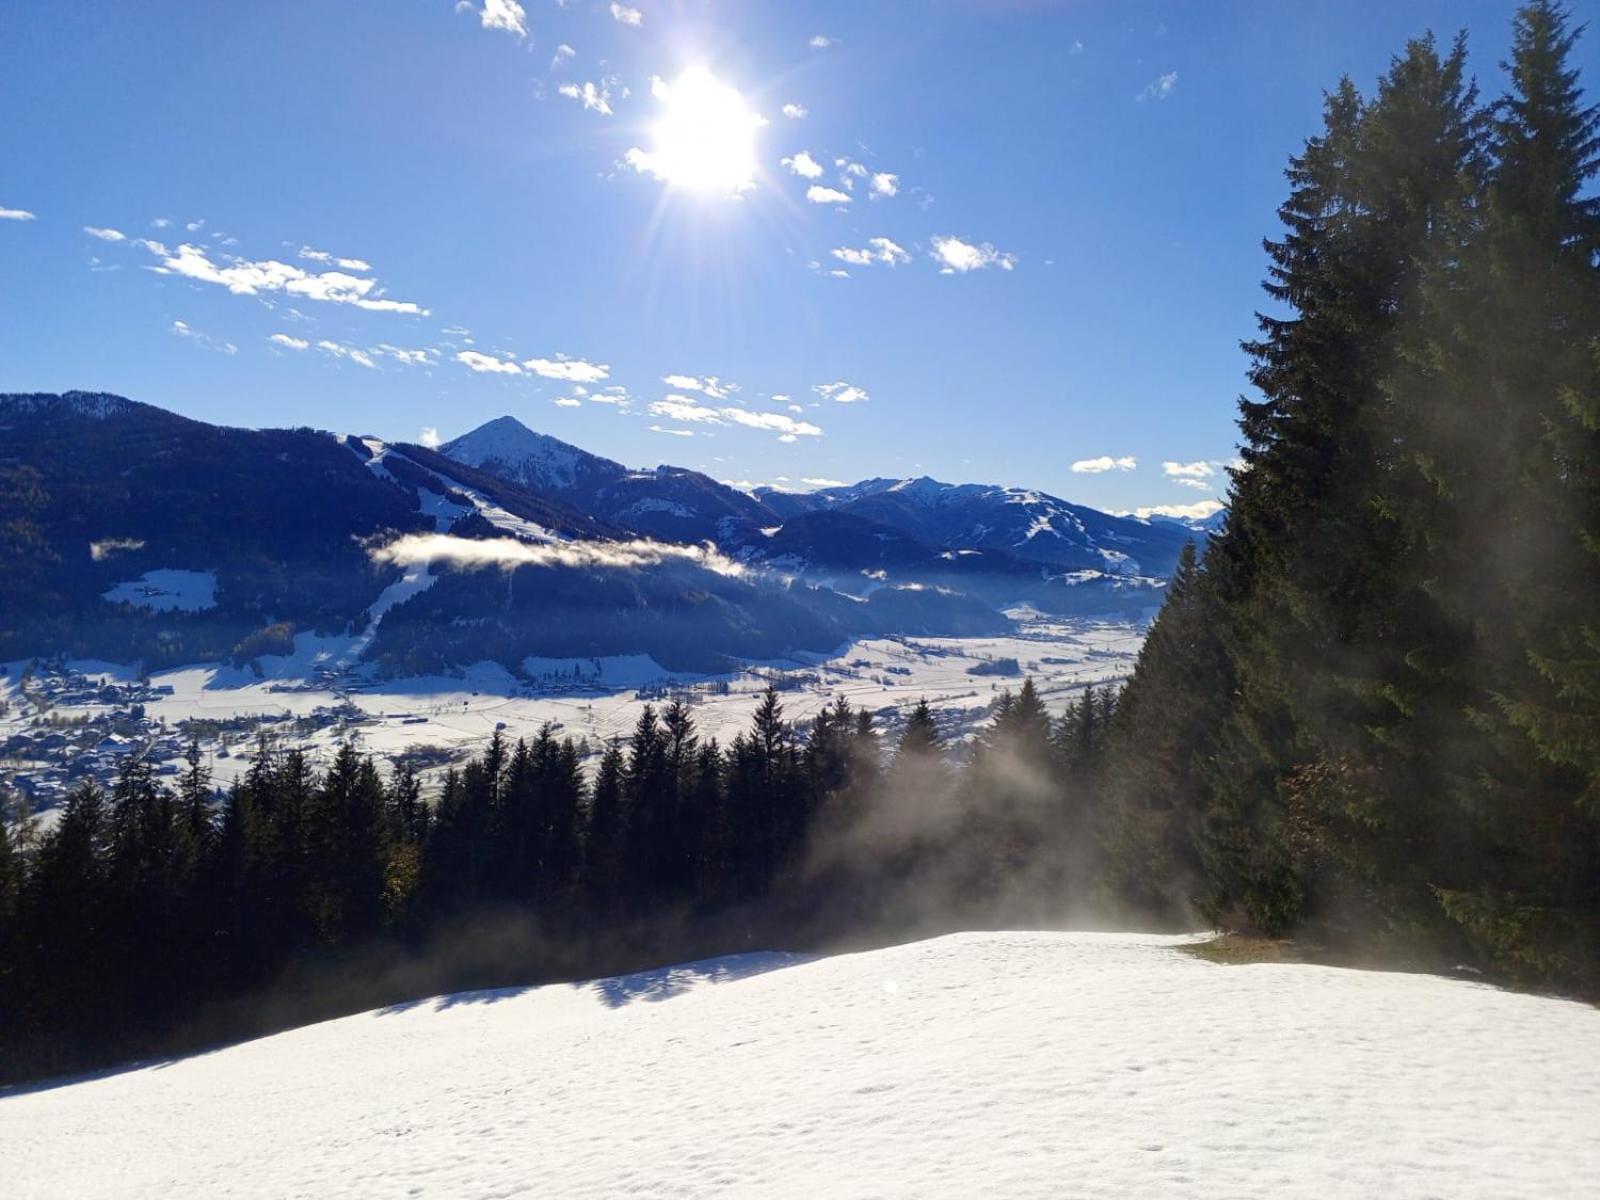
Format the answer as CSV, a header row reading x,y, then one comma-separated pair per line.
x,y
1011,1064
594,699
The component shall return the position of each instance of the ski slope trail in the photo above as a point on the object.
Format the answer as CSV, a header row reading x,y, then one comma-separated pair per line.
x,y
1009,1065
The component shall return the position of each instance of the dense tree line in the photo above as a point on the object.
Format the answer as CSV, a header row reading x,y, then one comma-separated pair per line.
x,y
152,917
1372,712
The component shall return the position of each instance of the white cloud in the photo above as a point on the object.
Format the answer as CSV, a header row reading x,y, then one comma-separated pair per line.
x,y
321,256
505,14
628,16
572,370
955,256
105,235
1190,470
428,436
409,358
820,41
681,408
184,330
716,388
289,343
1077,46
1198,511
885,183
878,250
841,392
822,483
594,98
795,112
1097,466
1198,485
818,194
15,214
673,432
360,357
562,54
567,402
1159,88
245,278
803,165
355,264
507,553
487,364
780,423
615,394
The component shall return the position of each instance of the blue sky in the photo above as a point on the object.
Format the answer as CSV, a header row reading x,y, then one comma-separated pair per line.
x,y
980,239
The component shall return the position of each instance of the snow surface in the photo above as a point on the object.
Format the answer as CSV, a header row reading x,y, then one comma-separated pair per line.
x,y
167,590
1007,1064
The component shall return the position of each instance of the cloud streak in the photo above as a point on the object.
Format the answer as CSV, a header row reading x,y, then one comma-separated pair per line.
x,y
1098,466
243,277
957,257
507,553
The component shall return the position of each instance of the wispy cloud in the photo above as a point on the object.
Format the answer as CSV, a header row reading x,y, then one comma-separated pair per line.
x,y
1098,466
487,364
105,235
572,370
288,342
672,432
877,250
682,408
428,436
245,278
795,112
841,392
593,97
811,481
563,53
351,353
1159,88
323,256
626,15
15,214
409,358
820,41
508,553
885,183
184,330
710,385
1200,474
818,194
957,257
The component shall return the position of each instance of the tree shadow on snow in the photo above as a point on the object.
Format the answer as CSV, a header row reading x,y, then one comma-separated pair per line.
x,y
663,983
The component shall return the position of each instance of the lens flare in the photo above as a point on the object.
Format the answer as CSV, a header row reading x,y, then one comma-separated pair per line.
x,y
706,137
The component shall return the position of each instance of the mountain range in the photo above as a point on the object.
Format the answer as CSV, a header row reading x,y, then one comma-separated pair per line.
x,y
501,544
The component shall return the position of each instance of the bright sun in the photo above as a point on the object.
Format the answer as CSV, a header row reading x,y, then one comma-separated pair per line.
x,y
706,137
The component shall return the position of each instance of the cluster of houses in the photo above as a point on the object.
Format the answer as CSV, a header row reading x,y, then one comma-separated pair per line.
x,y
61,727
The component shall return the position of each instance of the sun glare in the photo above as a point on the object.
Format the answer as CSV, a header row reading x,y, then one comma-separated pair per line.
x,y
706,137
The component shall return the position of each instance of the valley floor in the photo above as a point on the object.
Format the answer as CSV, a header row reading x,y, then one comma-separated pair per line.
x,y
1008,1064
58,724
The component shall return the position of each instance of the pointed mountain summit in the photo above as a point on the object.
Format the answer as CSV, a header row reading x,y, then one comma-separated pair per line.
x,y
507,447
666,502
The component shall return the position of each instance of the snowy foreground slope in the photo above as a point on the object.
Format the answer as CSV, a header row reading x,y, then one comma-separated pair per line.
x,y
1015,1064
